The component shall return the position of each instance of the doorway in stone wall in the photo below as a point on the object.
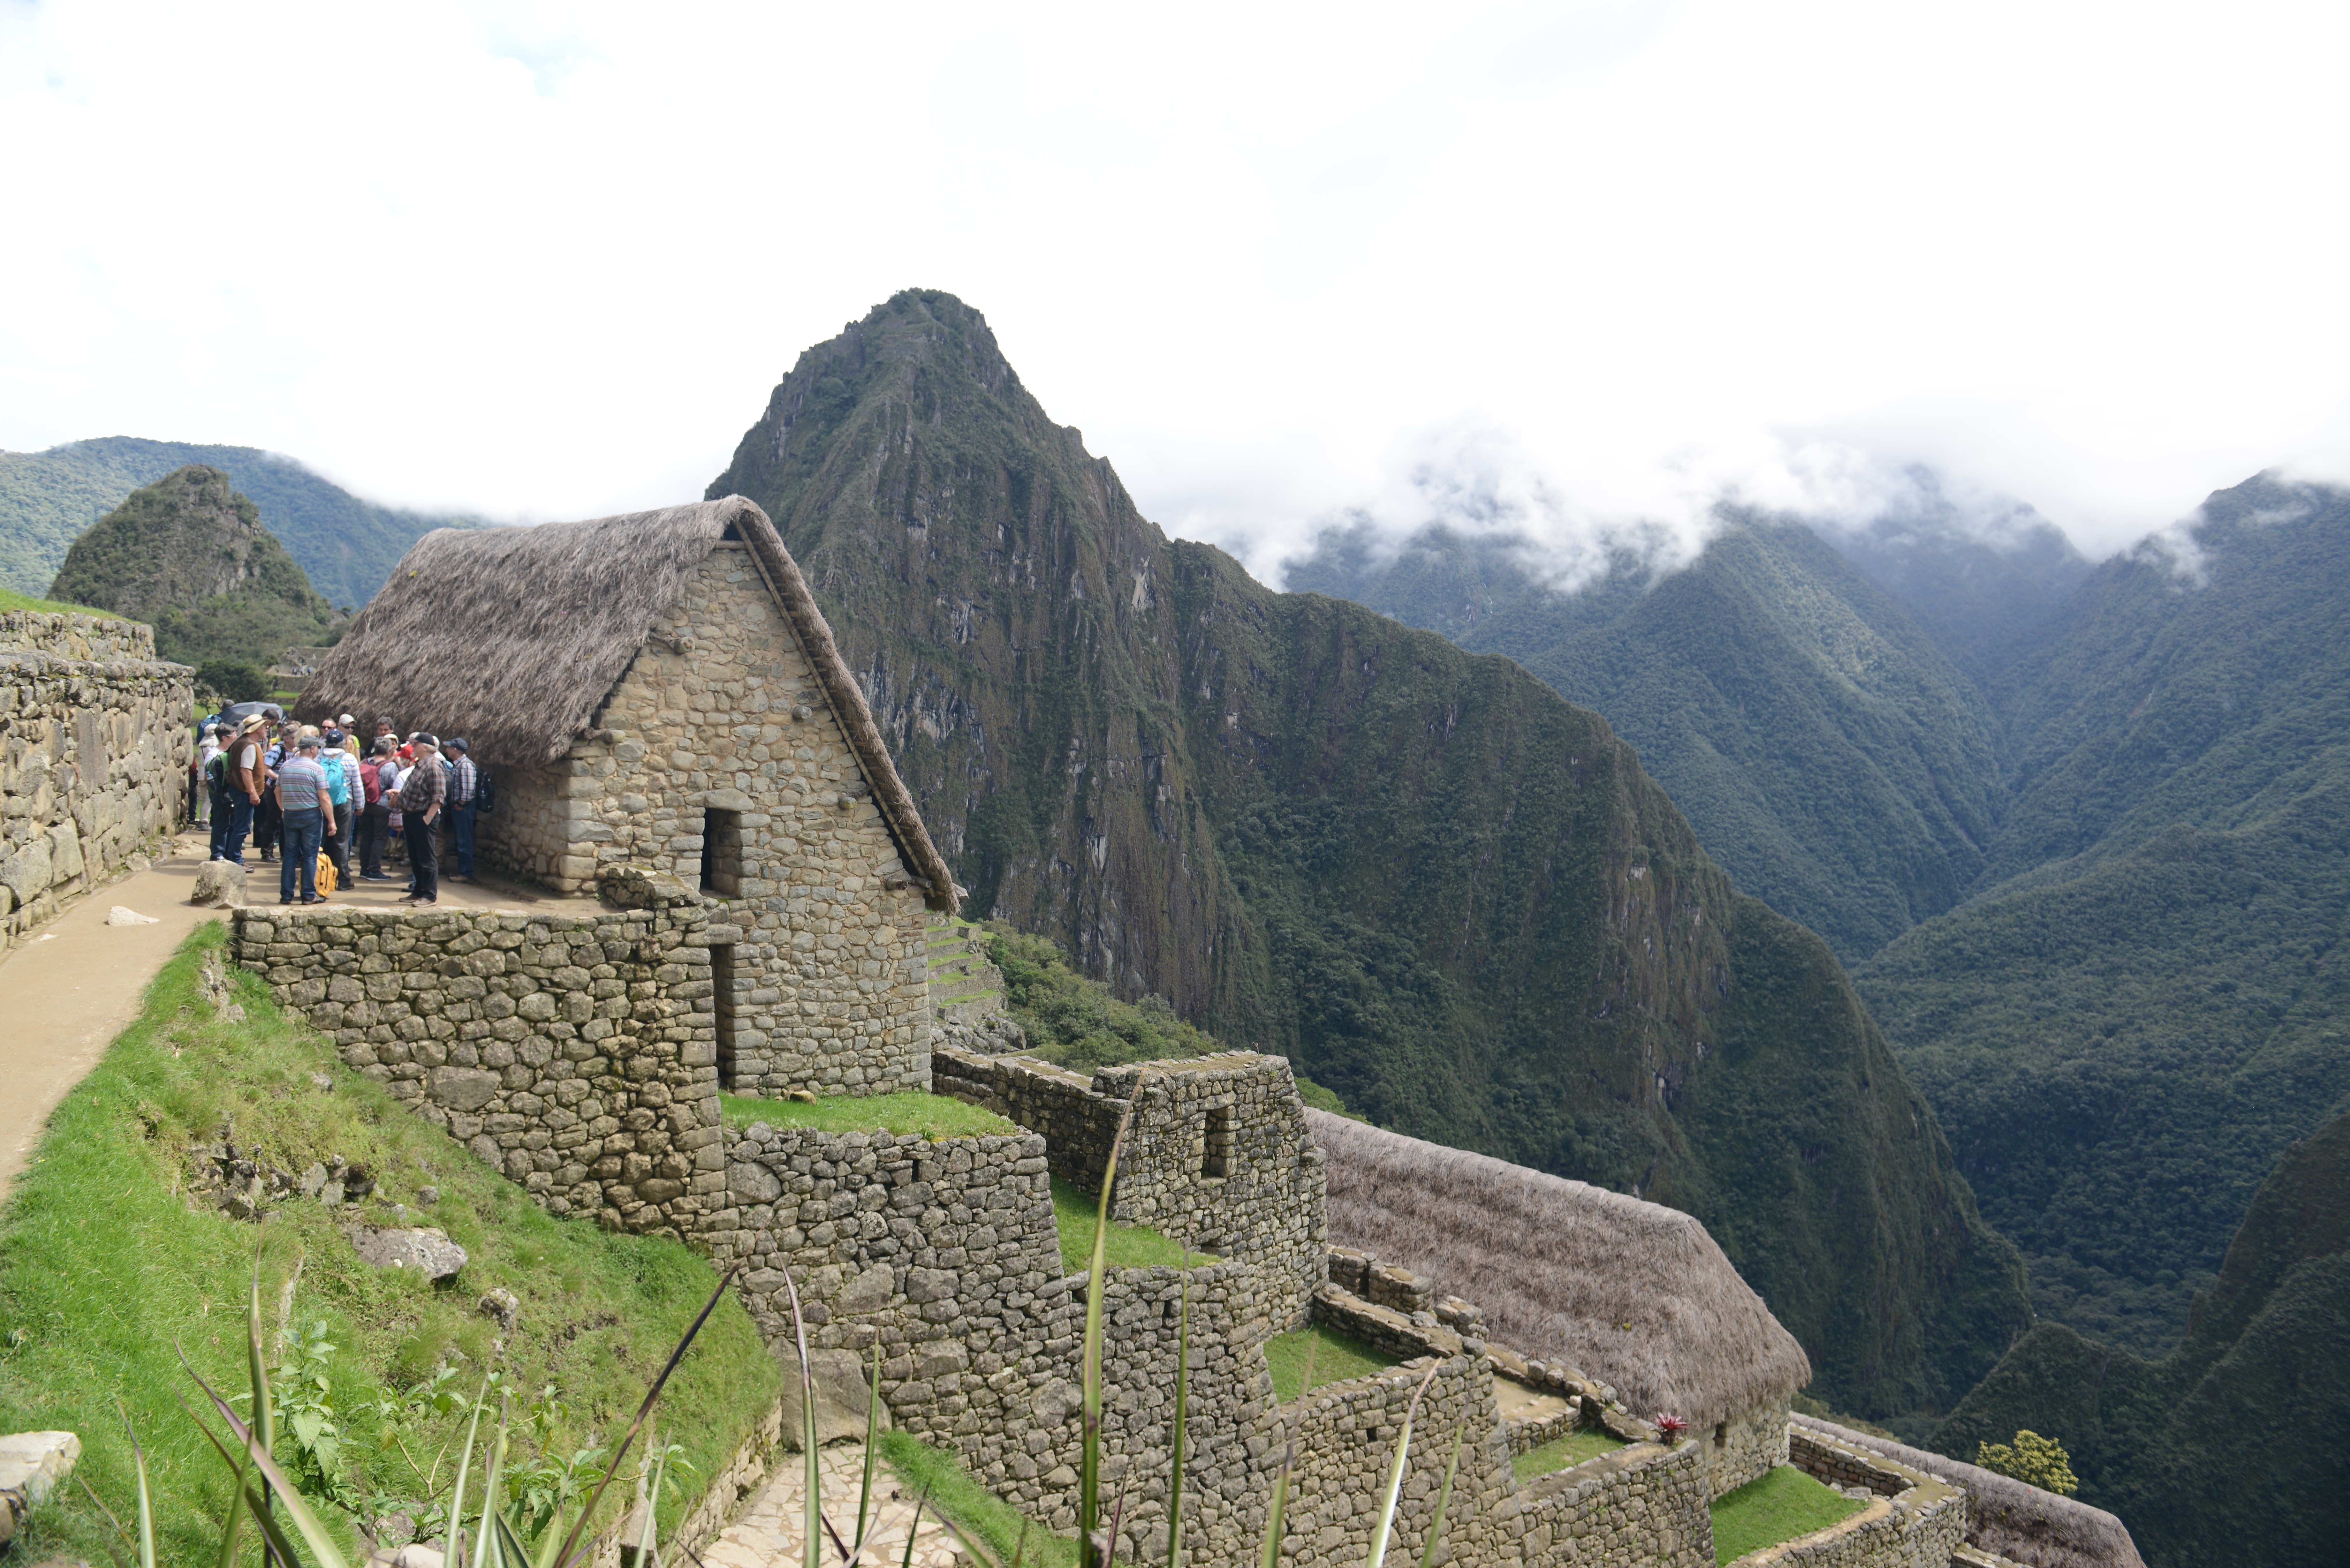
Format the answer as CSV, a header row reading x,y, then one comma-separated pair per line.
x,y
721,1002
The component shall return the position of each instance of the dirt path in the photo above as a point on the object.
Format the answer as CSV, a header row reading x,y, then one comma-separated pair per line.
x,y
77,982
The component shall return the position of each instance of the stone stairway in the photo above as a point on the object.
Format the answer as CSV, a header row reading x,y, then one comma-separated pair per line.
x,y
965,987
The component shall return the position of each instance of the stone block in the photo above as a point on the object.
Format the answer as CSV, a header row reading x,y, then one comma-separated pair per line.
x,y
220,885
462,1088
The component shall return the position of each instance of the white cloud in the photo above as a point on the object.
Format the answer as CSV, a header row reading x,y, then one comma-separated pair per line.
x,y
1617,259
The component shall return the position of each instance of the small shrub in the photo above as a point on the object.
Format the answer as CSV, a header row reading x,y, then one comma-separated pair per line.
x,y
2032,1459
233,679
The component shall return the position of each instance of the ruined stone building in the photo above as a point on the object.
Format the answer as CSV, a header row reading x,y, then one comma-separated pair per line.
x,y
658,695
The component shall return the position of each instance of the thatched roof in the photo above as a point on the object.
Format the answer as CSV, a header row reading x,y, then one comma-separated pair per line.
x,y
513,637
1632,1293
2019,1522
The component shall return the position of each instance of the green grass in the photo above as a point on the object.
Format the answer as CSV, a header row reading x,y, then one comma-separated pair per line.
x,y
1777,1506
10,600
1560,1453
913,1111
971,1506
1336,1358
1130,1246
107,1272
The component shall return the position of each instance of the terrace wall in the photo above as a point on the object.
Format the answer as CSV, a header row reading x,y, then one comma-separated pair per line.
x,y
1217,1151
1916,1521
573,1051
94,748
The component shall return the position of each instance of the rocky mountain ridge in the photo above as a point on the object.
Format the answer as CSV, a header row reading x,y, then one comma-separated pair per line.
x,y
1439,888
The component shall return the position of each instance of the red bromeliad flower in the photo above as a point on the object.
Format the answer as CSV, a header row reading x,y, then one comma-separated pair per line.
x,y
1671,1427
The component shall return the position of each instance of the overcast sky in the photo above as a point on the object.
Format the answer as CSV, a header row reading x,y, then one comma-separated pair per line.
x,y
1598,264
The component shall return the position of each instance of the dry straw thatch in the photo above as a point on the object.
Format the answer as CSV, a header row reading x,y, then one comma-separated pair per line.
x,y
1632,1293
513,637
2004,1516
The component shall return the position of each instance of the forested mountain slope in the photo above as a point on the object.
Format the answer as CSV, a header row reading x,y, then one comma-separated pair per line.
x,y
1445,891
188,554
2225,1450
346,545
2122,1037
1828,755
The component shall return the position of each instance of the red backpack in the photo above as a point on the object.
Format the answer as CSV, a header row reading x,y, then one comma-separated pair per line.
x,y
371,781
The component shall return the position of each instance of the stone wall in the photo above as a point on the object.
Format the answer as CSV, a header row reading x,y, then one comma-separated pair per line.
x,y
1746,1446
1216,1151
573,1052
721,712
1914,1521
95,739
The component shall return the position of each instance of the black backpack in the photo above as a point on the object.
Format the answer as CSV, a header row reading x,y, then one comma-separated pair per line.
x,y
485,794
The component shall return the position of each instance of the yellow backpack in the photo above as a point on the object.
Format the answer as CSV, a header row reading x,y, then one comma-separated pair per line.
x,y
326,876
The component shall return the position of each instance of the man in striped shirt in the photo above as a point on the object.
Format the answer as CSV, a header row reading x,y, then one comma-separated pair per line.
x,y
420,809
308,811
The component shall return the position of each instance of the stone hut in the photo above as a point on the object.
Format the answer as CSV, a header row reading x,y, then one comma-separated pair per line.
x,y
666,715
1633,1294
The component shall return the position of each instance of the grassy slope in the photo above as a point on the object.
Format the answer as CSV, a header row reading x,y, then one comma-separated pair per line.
x,y
105,1268
12,601
932,1116
1563,1452
2222,1451
346,546
1076,1212
1444,892
1336,1358
1776,1506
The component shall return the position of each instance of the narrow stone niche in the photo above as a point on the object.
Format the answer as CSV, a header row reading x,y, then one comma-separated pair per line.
x,y
721,999
1216,1156
722,853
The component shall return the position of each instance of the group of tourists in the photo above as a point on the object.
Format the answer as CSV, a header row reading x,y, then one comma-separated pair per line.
x,y
303,791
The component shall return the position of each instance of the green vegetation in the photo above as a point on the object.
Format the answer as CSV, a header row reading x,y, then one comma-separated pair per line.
x,y
12,601
970,1507
1827,753
1779,1505
1076,1022
110,1267
2122,1038
2213,1453
1430,883
909,1111
1073,1021
1562,1452
1130,1246
231,680
188,554
49,499
1336,1358
2032,1459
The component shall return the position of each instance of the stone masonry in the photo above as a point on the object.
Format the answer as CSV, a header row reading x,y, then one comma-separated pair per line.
x,y
718,741
573,1052
95,739
577,1053
1217,1151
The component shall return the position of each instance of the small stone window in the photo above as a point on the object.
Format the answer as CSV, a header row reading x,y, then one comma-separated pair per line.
x,y
721,999
1216,1156
722,853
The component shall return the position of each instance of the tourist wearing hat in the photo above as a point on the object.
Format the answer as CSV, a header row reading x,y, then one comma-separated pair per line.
x,y
247,775
462,796
420,797
306,812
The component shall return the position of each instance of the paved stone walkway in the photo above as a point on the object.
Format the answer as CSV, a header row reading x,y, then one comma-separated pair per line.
x,y
767,1532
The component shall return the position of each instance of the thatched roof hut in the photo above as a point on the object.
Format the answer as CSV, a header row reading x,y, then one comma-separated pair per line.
x,y
1633,1293
513,637
2016,1521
